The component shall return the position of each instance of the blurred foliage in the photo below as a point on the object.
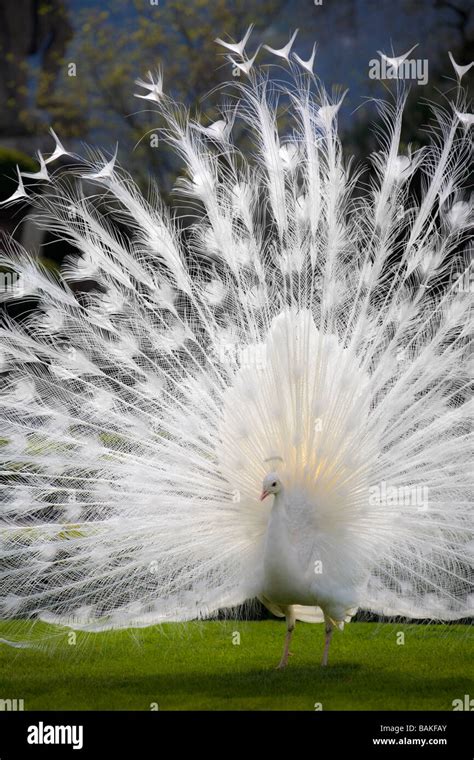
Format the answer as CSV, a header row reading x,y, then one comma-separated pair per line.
x,y
111,55
29,28
84,87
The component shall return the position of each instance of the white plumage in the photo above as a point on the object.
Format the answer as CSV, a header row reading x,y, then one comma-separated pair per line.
x,y
286,328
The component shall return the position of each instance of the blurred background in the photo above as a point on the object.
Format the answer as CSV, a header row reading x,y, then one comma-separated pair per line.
x,y
71,64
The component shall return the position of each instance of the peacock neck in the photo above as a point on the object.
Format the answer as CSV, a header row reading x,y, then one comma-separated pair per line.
x,y
279,503
277,524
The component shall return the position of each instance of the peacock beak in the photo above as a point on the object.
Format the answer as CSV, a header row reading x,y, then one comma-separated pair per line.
x,y
264,495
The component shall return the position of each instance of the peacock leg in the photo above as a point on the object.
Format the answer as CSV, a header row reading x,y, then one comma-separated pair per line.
x,y
329,631
290,627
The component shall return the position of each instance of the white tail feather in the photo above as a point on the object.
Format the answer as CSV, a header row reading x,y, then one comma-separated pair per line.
x,y
292,318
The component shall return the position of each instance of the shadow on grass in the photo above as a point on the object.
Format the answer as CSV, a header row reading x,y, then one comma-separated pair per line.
x,y
296,680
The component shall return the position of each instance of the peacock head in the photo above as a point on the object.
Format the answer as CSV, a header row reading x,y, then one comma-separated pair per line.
x,y
271,484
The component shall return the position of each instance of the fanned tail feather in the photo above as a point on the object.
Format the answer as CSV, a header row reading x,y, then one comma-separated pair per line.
x,y
283,313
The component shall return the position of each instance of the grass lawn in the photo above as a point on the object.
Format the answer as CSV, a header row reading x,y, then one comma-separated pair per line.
x,y
198,666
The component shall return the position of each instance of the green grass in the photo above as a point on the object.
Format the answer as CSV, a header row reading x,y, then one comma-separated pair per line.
x,y
197,667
